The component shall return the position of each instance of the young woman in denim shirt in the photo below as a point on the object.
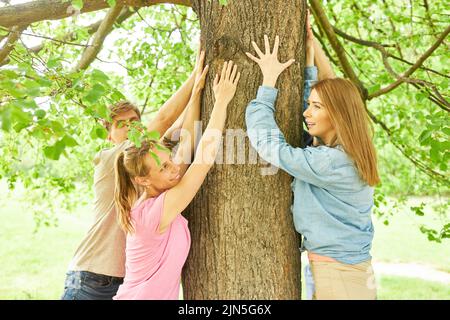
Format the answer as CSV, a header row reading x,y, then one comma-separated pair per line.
x,y
333,178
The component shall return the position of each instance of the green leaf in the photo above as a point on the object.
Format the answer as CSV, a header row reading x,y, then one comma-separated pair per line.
x,y
99,76
20,119
77,4
57,127
39,113
10,74
374,88
54,152
418,210
6,119
154,156
103,111
153,135
111,3
44,82
96,92
53,63
69,141
135,137
424,137
161,148
117,95
101,132
434,151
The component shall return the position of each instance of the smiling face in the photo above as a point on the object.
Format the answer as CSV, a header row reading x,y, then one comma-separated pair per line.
x,y
318,119
160,177
118,131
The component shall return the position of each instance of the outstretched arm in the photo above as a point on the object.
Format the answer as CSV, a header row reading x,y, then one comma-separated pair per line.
x,y
187,134
316,55
172,108
172,136
322,62
179,197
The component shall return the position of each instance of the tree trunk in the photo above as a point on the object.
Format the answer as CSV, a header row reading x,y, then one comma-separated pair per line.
x,y
244,245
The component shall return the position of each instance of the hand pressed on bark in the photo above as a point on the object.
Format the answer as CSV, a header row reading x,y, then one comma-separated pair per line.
x,y
200,74
271,68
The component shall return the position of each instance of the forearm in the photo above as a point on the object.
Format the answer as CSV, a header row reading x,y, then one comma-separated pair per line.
x,y
209,144
322,62
172,108
262,129
269,81
259,118
173,133
192,116
187,134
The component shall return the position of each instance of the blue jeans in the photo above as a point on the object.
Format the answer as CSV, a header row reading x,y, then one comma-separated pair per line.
x,y
84,285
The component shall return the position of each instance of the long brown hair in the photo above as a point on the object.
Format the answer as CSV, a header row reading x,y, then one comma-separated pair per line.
x,y
343,101
129,164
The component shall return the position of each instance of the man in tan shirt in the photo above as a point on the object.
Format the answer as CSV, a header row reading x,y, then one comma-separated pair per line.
x,y
98,266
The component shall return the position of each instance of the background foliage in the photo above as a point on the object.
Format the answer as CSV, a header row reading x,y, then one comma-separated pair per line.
x,y
49,112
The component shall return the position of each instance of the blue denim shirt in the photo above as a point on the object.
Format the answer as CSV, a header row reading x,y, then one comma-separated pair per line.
x,y
332,204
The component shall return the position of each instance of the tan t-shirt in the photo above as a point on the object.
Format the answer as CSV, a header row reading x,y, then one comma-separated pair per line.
x,y
103,248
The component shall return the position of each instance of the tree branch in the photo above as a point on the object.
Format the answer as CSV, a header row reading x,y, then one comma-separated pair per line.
x,y
422,167
421,67
104,29
416,65
34,11
14,35
337,47
436,98
322,19
91,29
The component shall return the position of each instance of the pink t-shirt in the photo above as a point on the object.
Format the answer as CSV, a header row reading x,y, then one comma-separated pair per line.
x,y
154,261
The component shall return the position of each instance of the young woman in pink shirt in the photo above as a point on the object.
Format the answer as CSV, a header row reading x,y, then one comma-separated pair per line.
x,y
158,238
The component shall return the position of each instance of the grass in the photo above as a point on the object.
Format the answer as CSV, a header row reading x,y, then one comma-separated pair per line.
x,y
401,240
34,265
402,288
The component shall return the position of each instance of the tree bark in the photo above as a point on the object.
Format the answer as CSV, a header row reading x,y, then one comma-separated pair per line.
x,y
9,45
244,245
30,12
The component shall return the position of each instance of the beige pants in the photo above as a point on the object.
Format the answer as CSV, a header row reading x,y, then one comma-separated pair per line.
x,y
339,281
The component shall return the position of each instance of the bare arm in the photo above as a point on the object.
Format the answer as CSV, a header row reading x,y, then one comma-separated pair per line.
x,y
322,62
315,54
179,197
172,108
172,135
185,150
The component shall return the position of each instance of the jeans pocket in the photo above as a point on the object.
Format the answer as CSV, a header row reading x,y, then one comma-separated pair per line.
x,y
97,282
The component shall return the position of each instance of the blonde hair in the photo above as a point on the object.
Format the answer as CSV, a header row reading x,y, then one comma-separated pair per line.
x,y
120,107
129,164
343,101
